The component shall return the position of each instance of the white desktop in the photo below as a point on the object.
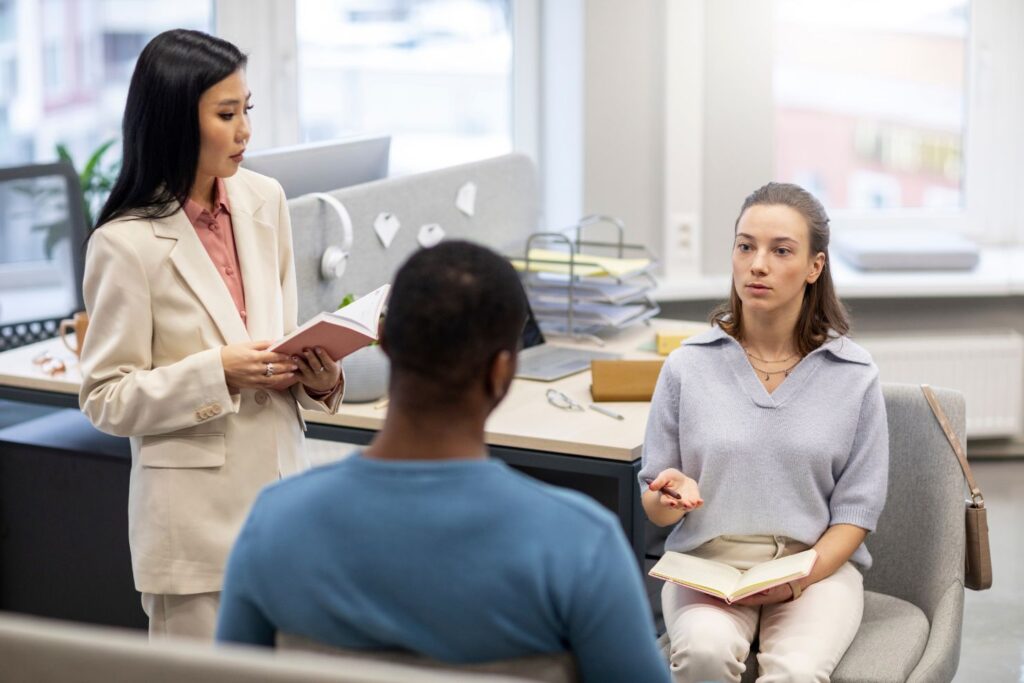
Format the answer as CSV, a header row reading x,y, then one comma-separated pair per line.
x,y
324,166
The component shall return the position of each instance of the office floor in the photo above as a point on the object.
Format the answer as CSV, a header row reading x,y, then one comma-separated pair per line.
x,y
993,639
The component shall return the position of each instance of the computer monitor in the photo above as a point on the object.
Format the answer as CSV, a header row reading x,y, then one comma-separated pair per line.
x,y
324,166
42,244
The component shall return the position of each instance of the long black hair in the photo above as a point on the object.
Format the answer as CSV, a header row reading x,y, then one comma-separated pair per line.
x,y
160,129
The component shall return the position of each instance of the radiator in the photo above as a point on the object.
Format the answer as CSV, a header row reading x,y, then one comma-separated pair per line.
x,y
987,367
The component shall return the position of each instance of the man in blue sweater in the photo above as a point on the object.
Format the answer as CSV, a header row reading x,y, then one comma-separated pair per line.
x,y
421,542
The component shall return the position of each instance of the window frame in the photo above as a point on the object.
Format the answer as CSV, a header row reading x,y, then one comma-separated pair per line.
x,y
993,207
266,30
987,165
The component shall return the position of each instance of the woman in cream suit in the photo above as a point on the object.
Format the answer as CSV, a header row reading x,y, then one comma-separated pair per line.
x,y
189,277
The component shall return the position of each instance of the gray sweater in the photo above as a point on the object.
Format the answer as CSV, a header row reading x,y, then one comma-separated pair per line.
x,y
813,453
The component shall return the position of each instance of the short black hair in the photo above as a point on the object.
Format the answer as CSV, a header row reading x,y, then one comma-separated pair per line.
x,y
453,308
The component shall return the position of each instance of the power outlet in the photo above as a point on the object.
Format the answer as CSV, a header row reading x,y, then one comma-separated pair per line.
x,y
682,246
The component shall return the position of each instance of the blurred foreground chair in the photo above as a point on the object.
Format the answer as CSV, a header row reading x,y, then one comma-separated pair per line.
x,y
49,651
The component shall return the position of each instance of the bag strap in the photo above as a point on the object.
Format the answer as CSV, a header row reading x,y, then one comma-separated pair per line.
x,y
940,415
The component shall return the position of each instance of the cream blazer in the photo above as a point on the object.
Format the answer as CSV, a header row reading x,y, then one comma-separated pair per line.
x,y
159,313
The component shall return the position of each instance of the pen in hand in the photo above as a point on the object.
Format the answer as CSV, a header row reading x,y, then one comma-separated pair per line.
x,y
664,489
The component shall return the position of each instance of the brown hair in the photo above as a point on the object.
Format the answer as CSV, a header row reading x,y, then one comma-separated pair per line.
x,y
822,310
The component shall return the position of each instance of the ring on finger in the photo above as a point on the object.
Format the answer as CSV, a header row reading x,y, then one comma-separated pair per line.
x,y
270,370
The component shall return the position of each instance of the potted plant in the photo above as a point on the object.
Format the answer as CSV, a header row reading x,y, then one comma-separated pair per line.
x,y
95,182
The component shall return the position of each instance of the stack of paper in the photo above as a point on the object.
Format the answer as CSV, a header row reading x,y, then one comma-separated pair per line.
x,y
555,289
582,265
602,291
590,313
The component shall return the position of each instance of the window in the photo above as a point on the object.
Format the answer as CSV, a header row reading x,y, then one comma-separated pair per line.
x,y
870,101
120,50
69,63
6,20
434,74
898,115
437,75
64,72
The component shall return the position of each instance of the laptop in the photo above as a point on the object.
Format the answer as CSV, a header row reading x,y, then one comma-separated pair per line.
x,y
543,362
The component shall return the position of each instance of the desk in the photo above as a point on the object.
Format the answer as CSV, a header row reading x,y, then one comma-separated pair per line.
x,y
586,451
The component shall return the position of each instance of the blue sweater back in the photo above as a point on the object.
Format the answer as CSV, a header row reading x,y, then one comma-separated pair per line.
x,y
460,561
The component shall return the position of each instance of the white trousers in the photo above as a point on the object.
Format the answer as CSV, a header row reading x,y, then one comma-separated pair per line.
x,y
801,640
187,616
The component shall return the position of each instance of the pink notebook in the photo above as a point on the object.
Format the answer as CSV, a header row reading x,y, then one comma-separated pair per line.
x,y
339,333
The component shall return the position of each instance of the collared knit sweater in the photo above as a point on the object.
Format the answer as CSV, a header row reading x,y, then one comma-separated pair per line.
x,y
811,454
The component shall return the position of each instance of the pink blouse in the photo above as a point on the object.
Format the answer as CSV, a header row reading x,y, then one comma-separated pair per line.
x,y
218,237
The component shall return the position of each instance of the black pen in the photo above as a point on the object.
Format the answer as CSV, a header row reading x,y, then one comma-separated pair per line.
x,y
666,491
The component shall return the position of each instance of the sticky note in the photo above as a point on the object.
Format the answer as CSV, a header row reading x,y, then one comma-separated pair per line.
x,y
466,199
430,234
386,225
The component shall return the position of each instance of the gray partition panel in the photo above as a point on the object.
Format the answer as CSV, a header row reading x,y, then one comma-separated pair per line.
x,y
506,212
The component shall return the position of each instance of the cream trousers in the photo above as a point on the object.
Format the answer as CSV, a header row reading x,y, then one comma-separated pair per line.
x,y
801,640
187,616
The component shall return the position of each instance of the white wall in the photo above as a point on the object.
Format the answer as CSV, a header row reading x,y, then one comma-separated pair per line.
x,y
737,111
638,168
623,114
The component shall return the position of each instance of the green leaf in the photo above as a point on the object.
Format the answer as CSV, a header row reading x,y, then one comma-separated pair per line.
x,y
94,160
55,232
94,181
51,242
44,227
63,154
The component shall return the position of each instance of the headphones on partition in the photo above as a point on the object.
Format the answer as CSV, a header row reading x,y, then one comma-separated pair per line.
x,y
335,258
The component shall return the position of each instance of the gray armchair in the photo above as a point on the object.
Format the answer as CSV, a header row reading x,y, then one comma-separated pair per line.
x,y
914,592
914,603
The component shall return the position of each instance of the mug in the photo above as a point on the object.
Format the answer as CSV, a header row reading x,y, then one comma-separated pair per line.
x,y
79,323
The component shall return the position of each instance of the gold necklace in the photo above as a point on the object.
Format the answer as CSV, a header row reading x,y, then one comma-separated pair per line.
x,y
765,360
768,375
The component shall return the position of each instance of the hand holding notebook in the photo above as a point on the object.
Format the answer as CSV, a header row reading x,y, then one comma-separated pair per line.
x,y
724,582
339,333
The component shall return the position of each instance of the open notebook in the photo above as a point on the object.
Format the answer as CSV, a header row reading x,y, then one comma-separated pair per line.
x,y
728,583
339,333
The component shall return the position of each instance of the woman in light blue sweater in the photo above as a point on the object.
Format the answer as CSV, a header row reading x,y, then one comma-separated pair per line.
x,y
772,430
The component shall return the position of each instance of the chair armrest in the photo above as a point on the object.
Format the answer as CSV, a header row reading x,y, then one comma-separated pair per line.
x,y
942,652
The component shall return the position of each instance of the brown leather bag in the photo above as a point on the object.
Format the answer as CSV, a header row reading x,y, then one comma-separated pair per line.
x,y
978,572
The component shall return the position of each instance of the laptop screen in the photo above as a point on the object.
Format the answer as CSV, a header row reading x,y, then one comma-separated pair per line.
x,y
532,336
